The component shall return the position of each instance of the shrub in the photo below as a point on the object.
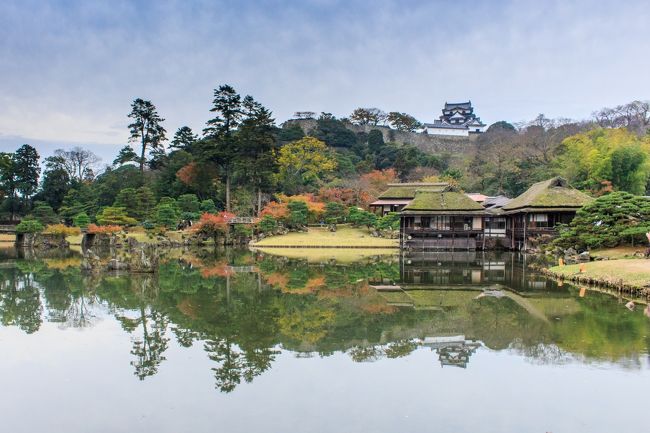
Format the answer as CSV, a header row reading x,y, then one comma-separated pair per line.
x,y
297,214
212,225
167,216
110,229
334,213
112,215
61,230
390,221
360,217
81,220
268,224
43,213
208,206
29,226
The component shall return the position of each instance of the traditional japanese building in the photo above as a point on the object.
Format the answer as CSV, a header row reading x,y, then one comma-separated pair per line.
x,y
444,219
540,209
399,195
458,119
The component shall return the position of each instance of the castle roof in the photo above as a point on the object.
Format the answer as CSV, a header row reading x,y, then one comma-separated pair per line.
x,y
464,105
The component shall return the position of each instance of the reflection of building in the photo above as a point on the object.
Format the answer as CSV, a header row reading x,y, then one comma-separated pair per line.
x,y
452,351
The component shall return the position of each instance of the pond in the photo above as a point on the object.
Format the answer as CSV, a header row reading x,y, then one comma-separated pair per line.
x,y
240,341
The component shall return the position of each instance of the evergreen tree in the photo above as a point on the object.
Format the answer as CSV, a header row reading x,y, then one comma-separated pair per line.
x,y
146,128
220,145
27,171
183,139
126,154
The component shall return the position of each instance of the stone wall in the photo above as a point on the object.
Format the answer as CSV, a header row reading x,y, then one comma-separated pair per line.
x,y
427,143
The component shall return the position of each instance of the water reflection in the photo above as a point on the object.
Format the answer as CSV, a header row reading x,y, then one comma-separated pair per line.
x,y
244,308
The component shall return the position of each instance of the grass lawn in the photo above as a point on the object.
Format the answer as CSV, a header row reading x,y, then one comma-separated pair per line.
x,y
6,237
618,252
344,236
634,272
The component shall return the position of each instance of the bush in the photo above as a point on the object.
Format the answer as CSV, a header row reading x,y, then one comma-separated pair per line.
x,y
167,216
97,230
359,217
29,226
268,224
61,230
115,216
81,220
43,213
390,221
208,206
298,212
334,213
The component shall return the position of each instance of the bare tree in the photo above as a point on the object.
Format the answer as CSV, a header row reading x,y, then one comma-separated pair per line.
x,y
634,116
79,163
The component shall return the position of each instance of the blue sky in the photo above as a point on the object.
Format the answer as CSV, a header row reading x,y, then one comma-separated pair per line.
x,y
69,69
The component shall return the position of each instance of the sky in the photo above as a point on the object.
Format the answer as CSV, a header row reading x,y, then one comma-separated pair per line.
x,y
69,70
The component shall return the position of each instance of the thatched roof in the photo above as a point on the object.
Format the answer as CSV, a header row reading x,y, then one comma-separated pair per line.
x,y
407,190
555,194
442,202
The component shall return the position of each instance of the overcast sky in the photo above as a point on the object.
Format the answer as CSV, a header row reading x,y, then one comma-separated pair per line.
x,y
70,69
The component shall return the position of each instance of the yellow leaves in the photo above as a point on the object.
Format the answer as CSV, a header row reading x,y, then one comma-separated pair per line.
x,y
308,156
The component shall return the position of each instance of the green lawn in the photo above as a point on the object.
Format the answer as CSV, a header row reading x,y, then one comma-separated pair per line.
x,y
618,252
633,272
345,236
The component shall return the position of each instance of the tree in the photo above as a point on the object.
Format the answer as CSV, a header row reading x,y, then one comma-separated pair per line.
x,y
304,162
360,217
268,224
43,213
127,200
114,216
126,154
334,213
183,139
208,206
29,226
501,125
220,146
608,221
189,203
213,226
403,121
56,184
146,127
27,171
257,141
81,220
77,162
367,116
9,183
147,201
375,141
298,212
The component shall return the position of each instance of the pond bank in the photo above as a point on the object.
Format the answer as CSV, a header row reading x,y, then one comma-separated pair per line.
x,y
625,275
317,237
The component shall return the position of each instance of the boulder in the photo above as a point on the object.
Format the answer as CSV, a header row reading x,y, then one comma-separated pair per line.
x,y
117,265
583,256
144,259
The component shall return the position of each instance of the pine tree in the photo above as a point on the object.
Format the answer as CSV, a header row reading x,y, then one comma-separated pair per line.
x,y
146,128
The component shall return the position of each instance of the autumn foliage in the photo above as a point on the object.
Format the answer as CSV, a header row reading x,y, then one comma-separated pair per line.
x,y
61,230
213,225
187,174
105,230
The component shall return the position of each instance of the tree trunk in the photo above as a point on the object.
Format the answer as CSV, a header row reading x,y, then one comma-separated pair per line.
x,y
259,200
142,158
228,192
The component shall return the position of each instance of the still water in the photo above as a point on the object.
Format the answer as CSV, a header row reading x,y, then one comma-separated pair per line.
x,y
237,341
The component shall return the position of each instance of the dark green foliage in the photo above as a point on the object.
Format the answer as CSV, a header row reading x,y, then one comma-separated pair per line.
x,y
167,215
126,154
390,221
81,220
43,213
146,128
298,213
290,133
208,206
112,181
189,203
268,224
608,221
183,139
114,215
26,170
359,217
335,213
29,226
502,125
56,183
79,199
334,133
375,141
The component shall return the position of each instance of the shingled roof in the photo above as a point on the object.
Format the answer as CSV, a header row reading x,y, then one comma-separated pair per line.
x,y
407,190
553,193
443,202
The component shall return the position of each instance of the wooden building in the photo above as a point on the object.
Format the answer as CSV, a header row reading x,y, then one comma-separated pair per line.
x,y
399,195
441,219
540,209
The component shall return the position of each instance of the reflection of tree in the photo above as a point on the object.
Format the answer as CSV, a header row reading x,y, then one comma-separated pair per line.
x,y
149,349
20,302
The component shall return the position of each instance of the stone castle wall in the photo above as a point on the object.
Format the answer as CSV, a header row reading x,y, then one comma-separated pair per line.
x,y
427,143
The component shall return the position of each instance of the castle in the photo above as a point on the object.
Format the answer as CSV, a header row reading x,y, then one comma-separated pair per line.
x,y
458,119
